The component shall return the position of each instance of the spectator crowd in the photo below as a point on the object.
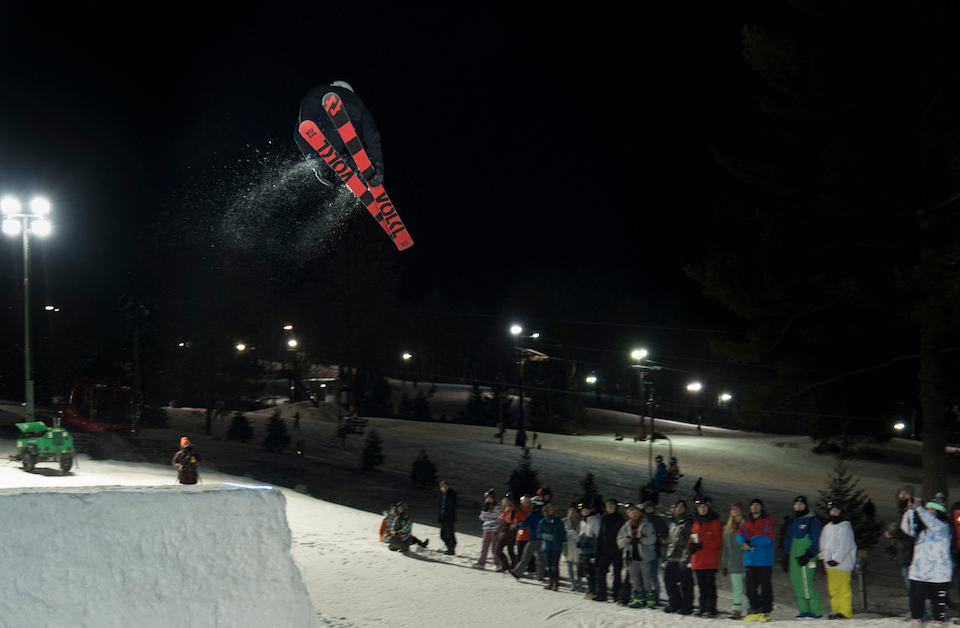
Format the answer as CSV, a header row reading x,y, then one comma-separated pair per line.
x,y
633,554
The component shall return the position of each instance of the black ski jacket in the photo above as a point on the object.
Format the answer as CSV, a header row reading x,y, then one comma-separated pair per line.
x,y
311,108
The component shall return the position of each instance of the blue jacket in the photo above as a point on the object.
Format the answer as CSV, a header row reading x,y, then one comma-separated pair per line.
x,y
532,521
552,525
807,526
758,533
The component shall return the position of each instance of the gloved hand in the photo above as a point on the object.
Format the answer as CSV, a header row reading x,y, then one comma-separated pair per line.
x,y
377,178
832,563
804,559
785,562
634,541
695,547
546,537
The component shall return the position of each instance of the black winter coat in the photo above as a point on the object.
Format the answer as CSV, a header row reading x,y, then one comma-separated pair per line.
x,y
311,108
448,507
610,525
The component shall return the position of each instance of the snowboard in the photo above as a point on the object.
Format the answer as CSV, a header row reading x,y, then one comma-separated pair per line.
x,y
337,113
315,137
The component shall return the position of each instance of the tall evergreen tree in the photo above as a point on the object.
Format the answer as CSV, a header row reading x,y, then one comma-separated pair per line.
x,y
839,242
524,480
842,488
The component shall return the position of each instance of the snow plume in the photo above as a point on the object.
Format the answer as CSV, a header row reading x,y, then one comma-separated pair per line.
x,y
277,206
269,203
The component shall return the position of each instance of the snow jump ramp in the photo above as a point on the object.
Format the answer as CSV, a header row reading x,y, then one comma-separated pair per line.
x,y
125,556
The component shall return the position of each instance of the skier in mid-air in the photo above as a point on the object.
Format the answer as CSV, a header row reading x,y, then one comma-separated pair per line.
x,y
311,108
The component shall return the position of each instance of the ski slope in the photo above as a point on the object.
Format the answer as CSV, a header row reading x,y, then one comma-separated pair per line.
x,y
351,579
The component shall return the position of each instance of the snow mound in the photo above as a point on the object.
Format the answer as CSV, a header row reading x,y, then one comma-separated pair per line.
x,y
149,556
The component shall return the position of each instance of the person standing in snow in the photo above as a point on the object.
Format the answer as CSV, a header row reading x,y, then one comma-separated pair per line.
x,y
608,553
552,535
800,550
507,535
756,538
187,462
931,571
448,517
706,545
571,554
587,544
731,558
311,108
531,551
901,543
677,577
490,527
663,533
638,537
838,550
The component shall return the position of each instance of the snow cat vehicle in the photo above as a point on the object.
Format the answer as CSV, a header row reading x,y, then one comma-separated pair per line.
x,y
39,443
102,408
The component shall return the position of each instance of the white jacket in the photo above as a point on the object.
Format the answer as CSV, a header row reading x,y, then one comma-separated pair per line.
x,y
931,549
837,543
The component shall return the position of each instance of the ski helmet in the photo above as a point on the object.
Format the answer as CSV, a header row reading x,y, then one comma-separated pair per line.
x,y
342,84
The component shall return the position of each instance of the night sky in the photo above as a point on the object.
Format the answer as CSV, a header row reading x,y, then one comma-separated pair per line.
x,y
513,138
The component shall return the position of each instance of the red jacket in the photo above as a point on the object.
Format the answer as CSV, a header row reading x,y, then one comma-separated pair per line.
x,y
523,534
708,533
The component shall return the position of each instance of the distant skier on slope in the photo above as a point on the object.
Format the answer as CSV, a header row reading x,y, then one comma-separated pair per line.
x,y
311,108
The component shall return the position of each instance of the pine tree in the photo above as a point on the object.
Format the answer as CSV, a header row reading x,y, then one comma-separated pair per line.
x,y
477,409
524,480
842,488
277,437
372,454
423,471
590,491
240,429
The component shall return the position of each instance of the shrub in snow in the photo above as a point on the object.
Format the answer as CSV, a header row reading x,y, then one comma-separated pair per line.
x,y
524,480
372,454
277,437
423,472
240,429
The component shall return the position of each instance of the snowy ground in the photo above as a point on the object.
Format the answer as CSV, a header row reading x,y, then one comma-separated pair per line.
x,y
354,581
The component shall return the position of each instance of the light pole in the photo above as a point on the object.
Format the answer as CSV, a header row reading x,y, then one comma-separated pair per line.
x,y
639,355
516,330
695,388
16,221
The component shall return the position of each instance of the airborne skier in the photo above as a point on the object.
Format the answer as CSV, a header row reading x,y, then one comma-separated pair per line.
x,y
312,108
328,108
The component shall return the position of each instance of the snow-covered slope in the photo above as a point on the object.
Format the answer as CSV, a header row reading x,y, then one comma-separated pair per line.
x,y
155,556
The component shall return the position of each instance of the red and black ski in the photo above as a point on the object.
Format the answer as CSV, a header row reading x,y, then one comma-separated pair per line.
x,y
348,133
319,143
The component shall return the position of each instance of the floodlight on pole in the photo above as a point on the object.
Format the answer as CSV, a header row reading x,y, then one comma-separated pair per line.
x,y
33,222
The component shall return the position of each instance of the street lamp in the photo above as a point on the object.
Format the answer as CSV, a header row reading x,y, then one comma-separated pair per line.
x,y
639,355
696,387
16,221
516,330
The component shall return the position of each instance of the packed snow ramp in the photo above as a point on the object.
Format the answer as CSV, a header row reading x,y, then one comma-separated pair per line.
x,y
149,557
